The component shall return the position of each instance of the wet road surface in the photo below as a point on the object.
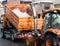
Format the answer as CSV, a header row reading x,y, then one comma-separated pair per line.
x,y
8,42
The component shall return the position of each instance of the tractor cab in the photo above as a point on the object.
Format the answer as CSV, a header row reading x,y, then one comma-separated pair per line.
x,y
47,5
52,19
51,25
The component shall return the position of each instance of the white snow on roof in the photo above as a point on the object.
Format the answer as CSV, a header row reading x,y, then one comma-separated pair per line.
x,y
46,1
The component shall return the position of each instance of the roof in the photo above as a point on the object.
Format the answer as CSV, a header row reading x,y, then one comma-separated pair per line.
x,y
52,9
41,1
46,1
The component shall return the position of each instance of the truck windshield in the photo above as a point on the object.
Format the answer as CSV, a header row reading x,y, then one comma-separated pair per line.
x,y
52,20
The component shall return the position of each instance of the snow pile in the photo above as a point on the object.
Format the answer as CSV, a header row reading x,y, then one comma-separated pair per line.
x,y
19,13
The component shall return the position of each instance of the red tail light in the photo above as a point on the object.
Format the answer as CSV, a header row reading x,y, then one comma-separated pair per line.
x,y
22,35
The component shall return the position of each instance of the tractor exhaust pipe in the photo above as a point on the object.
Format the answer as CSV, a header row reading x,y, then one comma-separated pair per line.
x,y
35,18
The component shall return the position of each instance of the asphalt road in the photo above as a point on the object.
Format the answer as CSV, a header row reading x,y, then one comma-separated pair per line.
x,y
6,42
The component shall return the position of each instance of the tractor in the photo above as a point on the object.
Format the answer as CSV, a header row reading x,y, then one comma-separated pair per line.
x,y
50,31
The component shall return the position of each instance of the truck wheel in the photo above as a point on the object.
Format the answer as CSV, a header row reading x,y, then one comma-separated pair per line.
x,y
3,34
51,40
12,37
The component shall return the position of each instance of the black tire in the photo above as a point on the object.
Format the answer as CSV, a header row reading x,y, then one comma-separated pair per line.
x,y
38,42
31,44
3,34
12,36
53,40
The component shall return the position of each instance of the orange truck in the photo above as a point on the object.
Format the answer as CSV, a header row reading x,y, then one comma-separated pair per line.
x,y
17,24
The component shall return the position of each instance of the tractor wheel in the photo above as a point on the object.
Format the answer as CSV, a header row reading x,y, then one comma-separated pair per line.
x,y
51,40
31,44
38,42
